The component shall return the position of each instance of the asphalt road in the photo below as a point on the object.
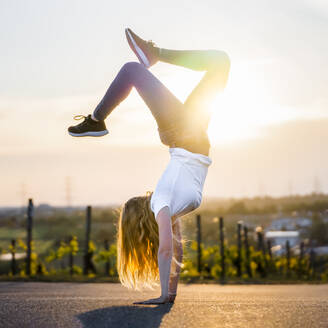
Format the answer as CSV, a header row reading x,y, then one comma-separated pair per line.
x,y
110,305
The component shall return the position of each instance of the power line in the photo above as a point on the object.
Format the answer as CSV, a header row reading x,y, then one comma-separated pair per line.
x,y
316,185
68,189
23,194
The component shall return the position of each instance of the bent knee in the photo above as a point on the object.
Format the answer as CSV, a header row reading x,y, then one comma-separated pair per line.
x,y
226,58
220,60
131,66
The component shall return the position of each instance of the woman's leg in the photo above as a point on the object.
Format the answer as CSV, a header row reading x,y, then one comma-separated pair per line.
x,y
216,64
165,107
197,60
162,103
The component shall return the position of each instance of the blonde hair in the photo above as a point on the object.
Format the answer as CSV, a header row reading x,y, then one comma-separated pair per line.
x,y
137,244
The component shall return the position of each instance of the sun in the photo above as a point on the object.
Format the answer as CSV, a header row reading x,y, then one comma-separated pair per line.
x,y
242,111
230,120
245,109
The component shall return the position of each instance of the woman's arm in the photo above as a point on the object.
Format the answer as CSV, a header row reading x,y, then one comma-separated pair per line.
x,y
165,251
177,260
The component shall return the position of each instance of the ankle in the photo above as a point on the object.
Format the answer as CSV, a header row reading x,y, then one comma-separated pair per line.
x,y
158,52
93,118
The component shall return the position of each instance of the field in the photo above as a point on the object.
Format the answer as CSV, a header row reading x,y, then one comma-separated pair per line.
x,y
59,241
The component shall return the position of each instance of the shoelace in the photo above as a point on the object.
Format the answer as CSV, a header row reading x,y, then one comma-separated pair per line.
x,y
86,121
79,117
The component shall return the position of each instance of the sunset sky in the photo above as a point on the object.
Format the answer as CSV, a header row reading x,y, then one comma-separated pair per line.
x,y
269,130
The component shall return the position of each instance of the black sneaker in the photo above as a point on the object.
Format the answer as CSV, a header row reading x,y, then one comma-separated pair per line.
x,y
88,127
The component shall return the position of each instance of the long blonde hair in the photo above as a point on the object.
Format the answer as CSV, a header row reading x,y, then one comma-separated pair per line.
x,y
137,244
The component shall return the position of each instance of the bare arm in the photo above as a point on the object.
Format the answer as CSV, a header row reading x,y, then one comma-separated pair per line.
x,y
165,251
177,260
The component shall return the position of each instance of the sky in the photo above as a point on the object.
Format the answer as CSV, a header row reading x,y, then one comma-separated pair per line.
x,y
268,130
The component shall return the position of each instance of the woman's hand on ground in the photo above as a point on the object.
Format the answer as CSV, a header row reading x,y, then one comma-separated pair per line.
x,y
158,300
172,298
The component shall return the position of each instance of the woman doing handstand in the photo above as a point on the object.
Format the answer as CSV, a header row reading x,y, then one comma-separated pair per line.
x,y
149,237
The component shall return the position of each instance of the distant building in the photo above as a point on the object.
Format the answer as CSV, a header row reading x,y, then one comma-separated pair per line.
x,y
44,210
279,238
303,222
289,224
321,250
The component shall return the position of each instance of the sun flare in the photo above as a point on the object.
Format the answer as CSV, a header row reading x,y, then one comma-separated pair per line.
x,y
244,109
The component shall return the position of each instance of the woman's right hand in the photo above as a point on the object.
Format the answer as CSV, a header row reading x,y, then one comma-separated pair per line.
x,y
172,298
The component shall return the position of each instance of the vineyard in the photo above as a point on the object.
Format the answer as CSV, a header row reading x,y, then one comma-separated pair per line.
x,y
82,245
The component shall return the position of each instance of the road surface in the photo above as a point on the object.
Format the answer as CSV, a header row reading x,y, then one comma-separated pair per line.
x,y
110,305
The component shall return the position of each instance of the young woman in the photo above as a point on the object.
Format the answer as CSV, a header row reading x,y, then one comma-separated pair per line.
x,y
149,237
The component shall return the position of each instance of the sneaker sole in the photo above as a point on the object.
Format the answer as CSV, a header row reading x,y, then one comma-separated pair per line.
x,y
89,134
137,50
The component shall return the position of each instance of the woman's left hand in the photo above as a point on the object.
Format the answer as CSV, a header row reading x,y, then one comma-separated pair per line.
x,y
158,300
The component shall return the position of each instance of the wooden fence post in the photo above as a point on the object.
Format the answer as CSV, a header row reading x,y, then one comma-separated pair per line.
x,y
239,227
288,257
261,248
312,262
248,264
266,264
271,266
107,264
300,260
199,240
269,249
222,249
29,236
71,258
13,259
86,261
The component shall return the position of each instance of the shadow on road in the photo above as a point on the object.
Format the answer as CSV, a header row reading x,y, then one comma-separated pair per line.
x,y
125,316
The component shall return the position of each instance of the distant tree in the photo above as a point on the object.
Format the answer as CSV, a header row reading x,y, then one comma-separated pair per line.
x,y
237,208
319,231
319,206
